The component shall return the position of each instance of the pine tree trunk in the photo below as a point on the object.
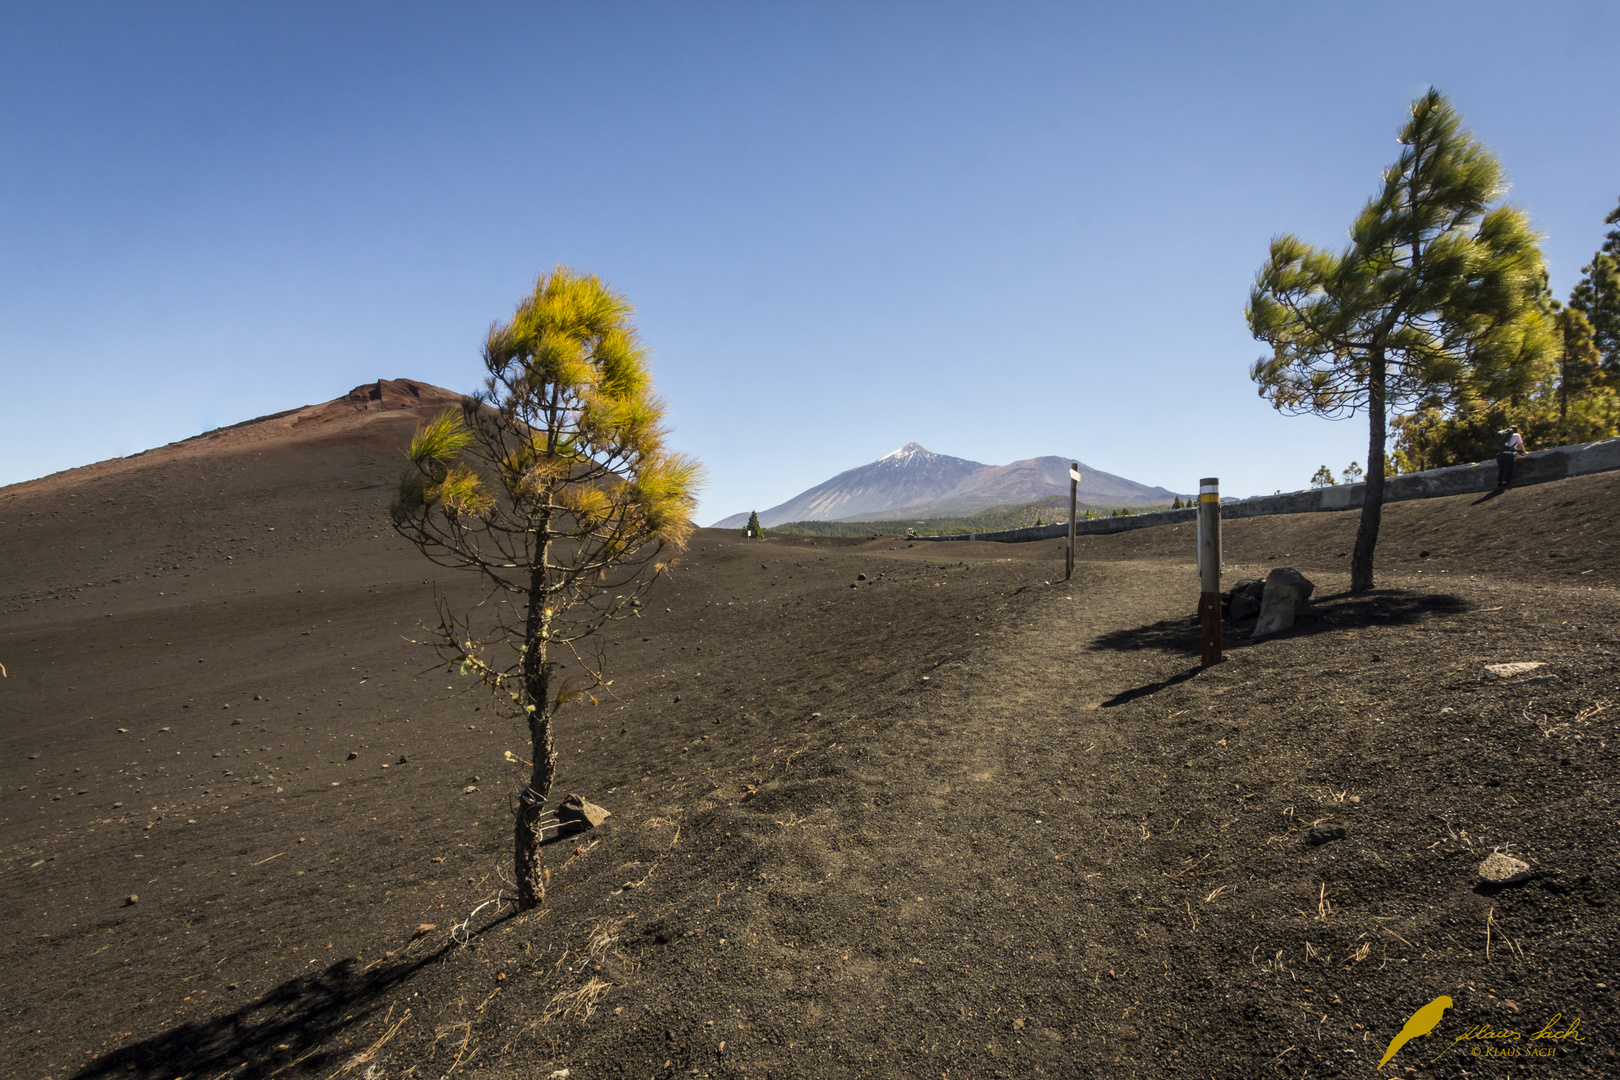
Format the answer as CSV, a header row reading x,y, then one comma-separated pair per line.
x,y
1372,503
526,835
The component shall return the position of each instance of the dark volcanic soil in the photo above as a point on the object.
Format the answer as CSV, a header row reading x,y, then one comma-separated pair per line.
x,y
956,819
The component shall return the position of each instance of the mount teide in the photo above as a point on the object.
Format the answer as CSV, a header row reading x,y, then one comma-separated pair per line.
x,y
916,482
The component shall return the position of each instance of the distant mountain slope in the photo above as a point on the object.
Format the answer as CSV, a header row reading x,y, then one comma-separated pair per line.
x,y
915,482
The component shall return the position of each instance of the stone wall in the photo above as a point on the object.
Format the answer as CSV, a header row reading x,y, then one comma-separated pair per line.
x,y
1536,468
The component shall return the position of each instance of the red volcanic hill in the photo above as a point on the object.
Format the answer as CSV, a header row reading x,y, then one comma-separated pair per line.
x,y
376,414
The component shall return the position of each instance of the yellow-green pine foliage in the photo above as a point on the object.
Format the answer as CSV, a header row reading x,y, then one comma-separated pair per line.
x,y
567,422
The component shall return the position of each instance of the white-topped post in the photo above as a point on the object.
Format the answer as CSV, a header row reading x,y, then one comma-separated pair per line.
x,y
1074,493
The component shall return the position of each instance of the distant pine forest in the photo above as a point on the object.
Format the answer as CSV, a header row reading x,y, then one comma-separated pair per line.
x,y
1053,508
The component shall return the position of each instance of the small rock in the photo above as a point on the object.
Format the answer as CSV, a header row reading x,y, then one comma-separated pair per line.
x,y
131,899
575,809
403,759
352,755
1509,671
1324,834
860,577
1245,600
1500,869
424,928
469,789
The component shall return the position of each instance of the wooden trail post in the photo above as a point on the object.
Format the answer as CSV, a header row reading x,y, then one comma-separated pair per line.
x,y
1209,567
1074,493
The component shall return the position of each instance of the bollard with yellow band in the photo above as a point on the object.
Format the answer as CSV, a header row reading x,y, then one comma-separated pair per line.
x,y
1209,568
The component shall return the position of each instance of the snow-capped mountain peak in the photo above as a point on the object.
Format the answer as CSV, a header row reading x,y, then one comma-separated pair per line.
x,y
908,453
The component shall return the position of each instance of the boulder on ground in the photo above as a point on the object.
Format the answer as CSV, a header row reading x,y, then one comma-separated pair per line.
x,y
1287,596
585,815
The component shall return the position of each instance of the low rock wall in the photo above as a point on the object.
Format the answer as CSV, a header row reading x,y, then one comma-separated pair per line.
x,y
1537,468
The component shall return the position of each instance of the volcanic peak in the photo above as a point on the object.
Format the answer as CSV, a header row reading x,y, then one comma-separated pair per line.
x,y
911,453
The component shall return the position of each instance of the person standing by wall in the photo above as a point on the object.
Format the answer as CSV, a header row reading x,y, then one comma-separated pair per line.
x,y
1510,445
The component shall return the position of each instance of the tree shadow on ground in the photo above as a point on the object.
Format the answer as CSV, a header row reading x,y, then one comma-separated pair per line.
x,y
1333,612
293,1030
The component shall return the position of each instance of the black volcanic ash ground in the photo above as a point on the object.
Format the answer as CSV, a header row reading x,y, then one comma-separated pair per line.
x,y
958,818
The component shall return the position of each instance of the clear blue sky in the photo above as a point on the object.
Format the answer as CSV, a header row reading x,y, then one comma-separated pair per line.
x,y
999,230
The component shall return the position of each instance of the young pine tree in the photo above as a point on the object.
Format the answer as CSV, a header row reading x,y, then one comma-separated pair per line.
x,y
553,484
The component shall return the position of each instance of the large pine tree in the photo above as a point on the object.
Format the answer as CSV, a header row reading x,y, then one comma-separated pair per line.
x,y
1435,299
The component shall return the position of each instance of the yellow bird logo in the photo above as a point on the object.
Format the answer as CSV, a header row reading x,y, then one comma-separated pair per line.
x,y
1423,1021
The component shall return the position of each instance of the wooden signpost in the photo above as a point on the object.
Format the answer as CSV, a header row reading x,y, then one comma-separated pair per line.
x,y
1074,494
1209,568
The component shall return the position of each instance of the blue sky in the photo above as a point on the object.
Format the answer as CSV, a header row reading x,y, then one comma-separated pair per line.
x,y
999,230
